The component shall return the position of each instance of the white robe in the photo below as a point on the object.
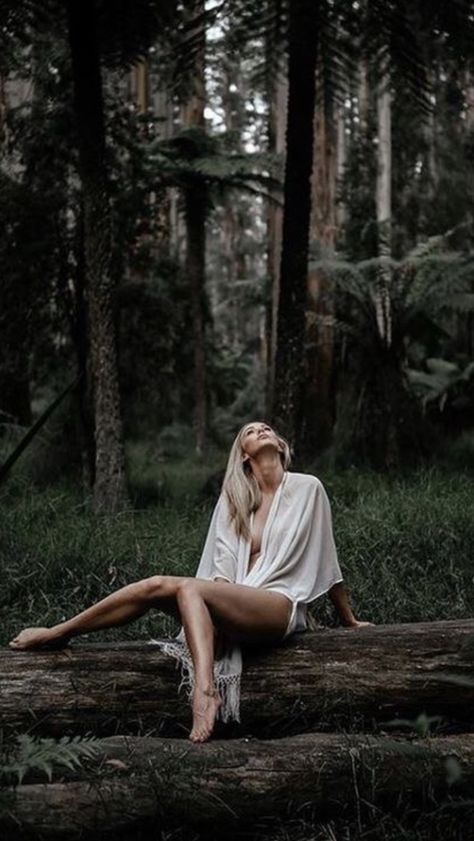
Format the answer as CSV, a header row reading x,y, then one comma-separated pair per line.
x,y
298,558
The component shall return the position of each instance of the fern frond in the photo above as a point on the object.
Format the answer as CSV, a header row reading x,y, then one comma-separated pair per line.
x,y
35,754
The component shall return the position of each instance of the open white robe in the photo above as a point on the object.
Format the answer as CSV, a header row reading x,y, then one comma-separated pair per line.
x,y
298,559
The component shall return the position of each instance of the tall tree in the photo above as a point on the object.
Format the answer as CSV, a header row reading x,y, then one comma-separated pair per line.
x,y
383,200
195,208
276,91
109,485
277,107
318,409
289,371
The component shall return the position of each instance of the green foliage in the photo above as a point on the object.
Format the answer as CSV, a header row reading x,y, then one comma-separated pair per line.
x,y
28,754
422,725
378,418
156,365
405,543
193,158
444,382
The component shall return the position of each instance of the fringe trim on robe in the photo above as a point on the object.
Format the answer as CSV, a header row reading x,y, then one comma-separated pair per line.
x,y
298,558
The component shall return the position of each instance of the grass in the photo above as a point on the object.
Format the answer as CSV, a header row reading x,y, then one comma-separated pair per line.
x,y
406,544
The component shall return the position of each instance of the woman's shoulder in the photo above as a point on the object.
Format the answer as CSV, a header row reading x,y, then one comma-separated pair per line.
x,y
304,480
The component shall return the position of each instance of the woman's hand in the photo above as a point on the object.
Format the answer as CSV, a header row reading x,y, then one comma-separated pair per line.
x,y
340,600
355,623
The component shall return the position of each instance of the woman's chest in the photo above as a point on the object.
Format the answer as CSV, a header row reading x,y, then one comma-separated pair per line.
x,y
259,521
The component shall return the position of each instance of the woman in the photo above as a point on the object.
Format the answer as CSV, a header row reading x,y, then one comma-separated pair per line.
x,y
268,553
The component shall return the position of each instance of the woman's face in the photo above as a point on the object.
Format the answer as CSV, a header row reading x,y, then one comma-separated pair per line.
x,y
257,436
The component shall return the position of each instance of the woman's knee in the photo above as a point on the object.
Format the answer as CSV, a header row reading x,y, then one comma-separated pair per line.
x,y
150,589
188,588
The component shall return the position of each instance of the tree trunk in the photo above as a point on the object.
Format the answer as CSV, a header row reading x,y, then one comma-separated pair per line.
x,y
163,198
277,117
319,397
15,331
232,250
109,486
384,205
341,163
289,372
151,99
195,211
141,85
469,99
431,131
192,113
314,681
145,781
78,319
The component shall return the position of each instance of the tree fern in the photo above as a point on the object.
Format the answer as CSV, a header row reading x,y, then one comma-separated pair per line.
x,y
28,753
378,416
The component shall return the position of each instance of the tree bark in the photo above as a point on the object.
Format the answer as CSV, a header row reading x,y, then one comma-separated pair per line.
x,y
109,486
192,112
277,117
140,80
289,372
145,780
314,681
341,163
319,340
383,196
195,213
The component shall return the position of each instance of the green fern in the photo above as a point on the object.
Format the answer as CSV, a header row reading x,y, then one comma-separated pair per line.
x,y
28,753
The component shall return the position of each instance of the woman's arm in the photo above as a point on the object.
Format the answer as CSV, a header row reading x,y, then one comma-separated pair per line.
x,y
340,599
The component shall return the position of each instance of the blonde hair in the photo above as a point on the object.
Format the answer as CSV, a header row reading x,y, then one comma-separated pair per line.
x,y
240,485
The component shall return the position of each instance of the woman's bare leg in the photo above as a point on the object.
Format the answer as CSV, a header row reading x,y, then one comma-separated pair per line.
x,y
200,636
119,608
243,612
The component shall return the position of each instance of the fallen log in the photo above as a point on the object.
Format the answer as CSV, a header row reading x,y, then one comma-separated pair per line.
x,y
168,782
315,681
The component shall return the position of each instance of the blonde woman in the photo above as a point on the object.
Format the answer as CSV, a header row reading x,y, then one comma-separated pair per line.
x,y
269,552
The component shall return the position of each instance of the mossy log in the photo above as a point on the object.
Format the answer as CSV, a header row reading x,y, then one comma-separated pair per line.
x,y
168,782
314,681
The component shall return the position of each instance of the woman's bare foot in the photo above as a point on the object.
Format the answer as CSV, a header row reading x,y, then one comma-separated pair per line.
x,y
38,638
206,703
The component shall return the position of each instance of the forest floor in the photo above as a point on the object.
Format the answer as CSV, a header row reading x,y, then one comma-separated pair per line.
x,y
405,543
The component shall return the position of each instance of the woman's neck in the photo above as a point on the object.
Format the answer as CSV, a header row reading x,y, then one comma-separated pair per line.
x,y
268,471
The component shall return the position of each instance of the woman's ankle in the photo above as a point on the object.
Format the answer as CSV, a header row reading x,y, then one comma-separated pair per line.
x,y
207,688
60,631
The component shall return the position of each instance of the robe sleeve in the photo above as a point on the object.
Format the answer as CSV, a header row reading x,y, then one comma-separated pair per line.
x,y
324,541
226,545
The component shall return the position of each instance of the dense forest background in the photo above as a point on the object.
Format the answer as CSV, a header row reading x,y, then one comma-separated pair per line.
x,y
216,211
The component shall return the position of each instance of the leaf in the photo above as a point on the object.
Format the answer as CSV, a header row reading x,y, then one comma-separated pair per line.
x,y
453,770
442,366
32,754
117,764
